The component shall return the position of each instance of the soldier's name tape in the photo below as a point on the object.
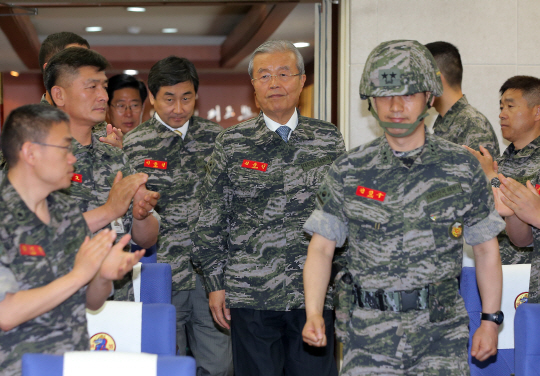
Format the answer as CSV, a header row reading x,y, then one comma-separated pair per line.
x,y
77,178
254,165
31,250
306,166
444,192
162,165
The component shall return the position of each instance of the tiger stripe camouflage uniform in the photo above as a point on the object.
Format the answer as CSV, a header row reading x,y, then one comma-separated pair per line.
x,y
258,193
405,228
465,125
175,169
521,165
64,327
96,167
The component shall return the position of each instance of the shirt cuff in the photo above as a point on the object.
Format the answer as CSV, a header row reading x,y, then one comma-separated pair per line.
x,y
327,225
485,230
214,283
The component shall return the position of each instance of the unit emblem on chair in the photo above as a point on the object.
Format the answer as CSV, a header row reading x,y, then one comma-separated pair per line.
x,y
521,298
102,342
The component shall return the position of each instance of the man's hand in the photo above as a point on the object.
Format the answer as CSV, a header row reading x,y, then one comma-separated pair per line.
x,y
524,201
489,166
502,209
143,202
216,301
314,333
122,192
114,137
484,343
118,263
91,255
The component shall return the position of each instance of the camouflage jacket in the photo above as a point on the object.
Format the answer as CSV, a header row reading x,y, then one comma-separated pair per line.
x,y
3,166
257,195
405,225
95,170
176,169
465,125
521,165
54,246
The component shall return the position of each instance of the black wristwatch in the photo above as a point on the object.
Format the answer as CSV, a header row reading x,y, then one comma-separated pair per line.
x,y
496,317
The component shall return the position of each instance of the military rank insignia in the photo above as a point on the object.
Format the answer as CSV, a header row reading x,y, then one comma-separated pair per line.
x,y
520,299
102,342
456,229
370,193
77,178
261,166
162,165
31,250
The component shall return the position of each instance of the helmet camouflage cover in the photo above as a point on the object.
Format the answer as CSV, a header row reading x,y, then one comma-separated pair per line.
x,y
400,67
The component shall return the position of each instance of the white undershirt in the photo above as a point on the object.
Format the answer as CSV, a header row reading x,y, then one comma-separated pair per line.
x,y
182,129
273,125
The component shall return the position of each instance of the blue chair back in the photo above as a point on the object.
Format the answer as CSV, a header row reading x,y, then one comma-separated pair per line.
x,y
500,364
156,283
527,339
158,334
150,256
53,365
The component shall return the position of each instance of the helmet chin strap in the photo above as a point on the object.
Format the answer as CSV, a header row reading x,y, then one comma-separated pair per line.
x,y
409,126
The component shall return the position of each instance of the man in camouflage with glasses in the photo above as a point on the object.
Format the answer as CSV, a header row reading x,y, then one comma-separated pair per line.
x,y
404,201
259,190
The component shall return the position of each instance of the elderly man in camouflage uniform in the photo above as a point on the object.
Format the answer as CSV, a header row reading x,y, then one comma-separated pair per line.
x,y
520,124
458,121
42,275
173,148
260,188
405,201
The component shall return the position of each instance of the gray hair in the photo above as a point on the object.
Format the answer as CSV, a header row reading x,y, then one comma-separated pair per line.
x,y
272,46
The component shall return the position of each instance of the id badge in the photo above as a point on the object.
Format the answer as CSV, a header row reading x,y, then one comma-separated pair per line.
x,y
118,226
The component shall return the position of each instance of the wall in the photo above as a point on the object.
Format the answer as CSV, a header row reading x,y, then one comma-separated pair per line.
x,y
497,39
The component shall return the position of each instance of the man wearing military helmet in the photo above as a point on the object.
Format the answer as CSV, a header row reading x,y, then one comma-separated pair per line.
x,y
404,201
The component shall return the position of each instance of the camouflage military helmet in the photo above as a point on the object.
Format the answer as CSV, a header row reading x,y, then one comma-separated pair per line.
x,y
400,67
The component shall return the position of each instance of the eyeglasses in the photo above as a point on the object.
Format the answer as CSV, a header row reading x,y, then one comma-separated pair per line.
x,y
69,148
281,77
122,107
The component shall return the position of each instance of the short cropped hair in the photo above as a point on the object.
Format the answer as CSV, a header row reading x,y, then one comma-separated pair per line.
x,y
272,46
122,81
67,63
171,71
32,123
449,62
529,86
55,43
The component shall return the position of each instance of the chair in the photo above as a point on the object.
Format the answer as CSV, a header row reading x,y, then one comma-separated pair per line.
x,y
155,283
527,339
150,256
114,323
503,362
53,365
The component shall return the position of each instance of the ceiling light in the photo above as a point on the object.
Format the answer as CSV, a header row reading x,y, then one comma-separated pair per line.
x,y
131,72
14,74
134,29
136,9
93,29
169,30
301,44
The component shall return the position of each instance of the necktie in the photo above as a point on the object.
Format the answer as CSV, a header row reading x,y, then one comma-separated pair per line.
x,y
178,132
283,132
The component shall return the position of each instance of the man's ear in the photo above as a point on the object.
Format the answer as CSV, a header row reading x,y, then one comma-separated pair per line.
x,y
29,153
58,95
429,99
537,113
151,97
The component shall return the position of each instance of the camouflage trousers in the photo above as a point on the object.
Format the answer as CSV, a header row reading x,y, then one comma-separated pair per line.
x,y
534,281
390,343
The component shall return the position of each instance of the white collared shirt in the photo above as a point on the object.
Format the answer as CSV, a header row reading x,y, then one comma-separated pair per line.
x,y
182,129
273,125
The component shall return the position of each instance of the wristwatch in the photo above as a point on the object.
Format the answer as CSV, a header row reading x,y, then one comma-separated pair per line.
x,y
496,317
495,182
